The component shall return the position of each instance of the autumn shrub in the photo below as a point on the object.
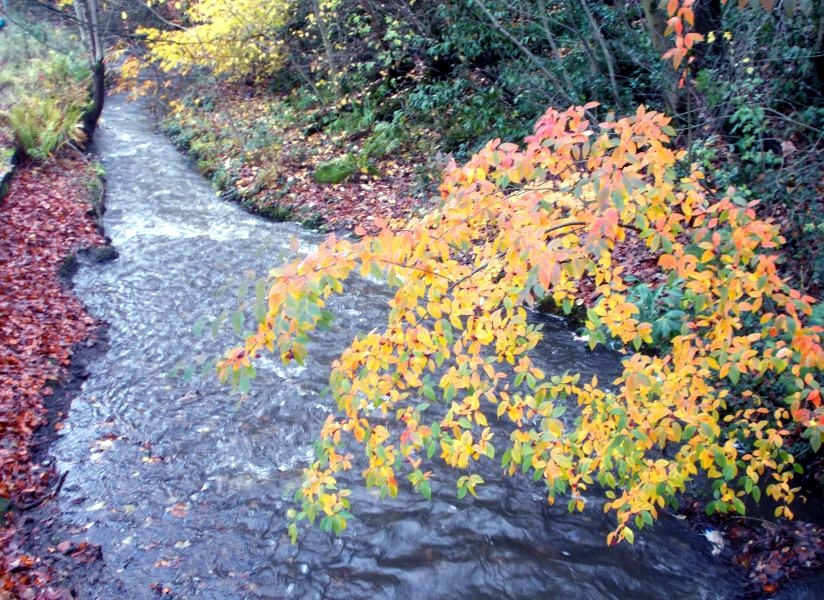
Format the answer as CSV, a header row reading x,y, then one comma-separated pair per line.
x,y
730,405
720,387
238,39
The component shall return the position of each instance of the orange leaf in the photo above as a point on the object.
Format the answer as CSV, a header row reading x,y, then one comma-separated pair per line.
x,y
667,261
692,38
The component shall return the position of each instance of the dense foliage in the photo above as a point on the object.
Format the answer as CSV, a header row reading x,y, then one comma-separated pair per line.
x,y
43,86
734,399
231,38
742,82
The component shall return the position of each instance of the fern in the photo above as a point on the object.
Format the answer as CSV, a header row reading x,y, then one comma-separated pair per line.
x,y
40,126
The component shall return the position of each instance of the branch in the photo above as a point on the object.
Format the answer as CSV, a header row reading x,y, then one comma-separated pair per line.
x,y
404,266
157,15
791,120
484,265
533,59
39,501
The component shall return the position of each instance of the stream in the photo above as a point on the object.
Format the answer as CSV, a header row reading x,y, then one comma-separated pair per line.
x,y
185,485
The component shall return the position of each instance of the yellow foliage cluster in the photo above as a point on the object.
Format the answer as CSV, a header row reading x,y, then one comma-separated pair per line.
x,y
236,39
519,223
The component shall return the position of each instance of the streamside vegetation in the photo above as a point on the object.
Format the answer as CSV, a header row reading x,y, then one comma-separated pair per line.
x,y
488,155
47,214
693,133
43,88
365,84
51,81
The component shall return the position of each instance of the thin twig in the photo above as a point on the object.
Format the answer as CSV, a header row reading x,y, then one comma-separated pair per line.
x,y
38,502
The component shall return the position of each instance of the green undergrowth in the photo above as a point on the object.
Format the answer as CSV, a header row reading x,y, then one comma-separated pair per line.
x,y
336,170
748,109
239,155
44,86
257,150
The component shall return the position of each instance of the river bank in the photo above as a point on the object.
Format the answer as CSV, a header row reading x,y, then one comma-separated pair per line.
x,y
257,152
48,216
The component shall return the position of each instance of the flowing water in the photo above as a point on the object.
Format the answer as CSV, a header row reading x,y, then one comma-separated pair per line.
x,y
186,486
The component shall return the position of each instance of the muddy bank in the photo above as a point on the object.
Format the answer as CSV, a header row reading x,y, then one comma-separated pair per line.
x,y
48,216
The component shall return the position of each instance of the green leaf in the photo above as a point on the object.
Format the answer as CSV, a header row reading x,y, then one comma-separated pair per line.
x,y
449,393
463,484
815,439
218,323
489,451
426,490
629,535
448,333
429,393
197,328
237,321
244,385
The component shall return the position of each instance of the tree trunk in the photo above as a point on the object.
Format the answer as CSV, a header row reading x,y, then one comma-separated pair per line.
x,y
92,115
87,13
